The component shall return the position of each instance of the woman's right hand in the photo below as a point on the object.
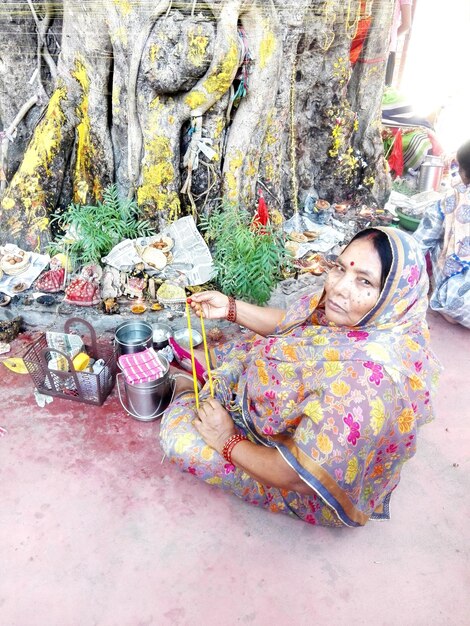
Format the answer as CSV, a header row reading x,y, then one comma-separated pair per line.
x,y
213,305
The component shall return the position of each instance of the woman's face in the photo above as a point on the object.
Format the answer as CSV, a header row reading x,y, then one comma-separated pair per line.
x,y
353,284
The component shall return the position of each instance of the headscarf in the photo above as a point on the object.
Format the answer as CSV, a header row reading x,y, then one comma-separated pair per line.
x,y
342,404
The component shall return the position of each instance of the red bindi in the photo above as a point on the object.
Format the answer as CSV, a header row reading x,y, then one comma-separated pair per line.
x,y
352,263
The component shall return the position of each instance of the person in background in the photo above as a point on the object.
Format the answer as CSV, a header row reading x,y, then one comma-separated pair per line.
x,y
444,233
315,414
401,24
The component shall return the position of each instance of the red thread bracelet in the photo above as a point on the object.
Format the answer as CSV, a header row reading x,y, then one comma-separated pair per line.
x,y
232,309
230,444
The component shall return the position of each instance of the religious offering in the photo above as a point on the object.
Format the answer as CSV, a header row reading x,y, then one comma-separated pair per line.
x,y
311,235
162,243
298,237
154,257
14,260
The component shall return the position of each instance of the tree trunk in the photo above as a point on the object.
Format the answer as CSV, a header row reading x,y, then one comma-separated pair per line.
x,y
152,100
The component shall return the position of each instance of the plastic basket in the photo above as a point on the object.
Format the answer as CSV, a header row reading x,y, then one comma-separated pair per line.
x,y
75,385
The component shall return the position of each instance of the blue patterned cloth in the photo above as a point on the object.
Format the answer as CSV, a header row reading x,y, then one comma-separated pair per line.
x,y
444,232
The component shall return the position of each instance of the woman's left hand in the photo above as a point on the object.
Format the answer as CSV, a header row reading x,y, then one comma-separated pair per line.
x,y
214,424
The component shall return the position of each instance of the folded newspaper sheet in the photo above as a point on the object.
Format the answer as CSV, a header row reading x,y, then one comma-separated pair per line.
x,y
412,205
192,260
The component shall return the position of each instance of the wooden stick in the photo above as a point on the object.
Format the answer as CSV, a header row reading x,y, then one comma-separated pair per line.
x,y
206,352
191,349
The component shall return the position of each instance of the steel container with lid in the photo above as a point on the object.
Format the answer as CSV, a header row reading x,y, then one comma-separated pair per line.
x,y
430,174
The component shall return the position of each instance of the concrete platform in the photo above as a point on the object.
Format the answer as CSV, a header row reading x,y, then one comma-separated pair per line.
x,y
95,530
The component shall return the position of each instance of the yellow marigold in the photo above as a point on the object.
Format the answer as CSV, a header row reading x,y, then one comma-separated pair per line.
x,y
406,421
324,443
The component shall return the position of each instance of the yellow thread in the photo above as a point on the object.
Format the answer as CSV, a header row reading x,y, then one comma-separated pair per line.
x,y
193,362
206,352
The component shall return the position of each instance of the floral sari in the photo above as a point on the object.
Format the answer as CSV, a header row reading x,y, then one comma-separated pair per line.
x,y
342,405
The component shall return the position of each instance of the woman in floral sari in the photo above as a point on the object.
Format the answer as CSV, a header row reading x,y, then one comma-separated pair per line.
x,y
316,413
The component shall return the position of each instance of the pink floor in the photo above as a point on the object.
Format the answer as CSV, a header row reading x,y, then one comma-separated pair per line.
x,y
95,530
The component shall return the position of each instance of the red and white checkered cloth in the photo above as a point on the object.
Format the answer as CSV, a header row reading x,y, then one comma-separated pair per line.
x,y
141,367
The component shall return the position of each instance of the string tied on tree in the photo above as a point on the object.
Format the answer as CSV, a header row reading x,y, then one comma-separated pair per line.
x,y
197,145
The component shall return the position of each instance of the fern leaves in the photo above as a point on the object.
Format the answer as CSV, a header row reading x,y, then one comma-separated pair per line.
x,y
248,262
91,231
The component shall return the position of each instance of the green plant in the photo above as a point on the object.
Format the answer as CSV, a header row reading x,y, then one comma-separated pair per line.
x,y
91,231
248,258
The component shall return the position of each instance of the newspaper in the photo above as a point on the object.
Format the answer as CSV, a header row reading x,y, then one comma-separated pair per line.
x,y
411,205
192,261
123,257
10,284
